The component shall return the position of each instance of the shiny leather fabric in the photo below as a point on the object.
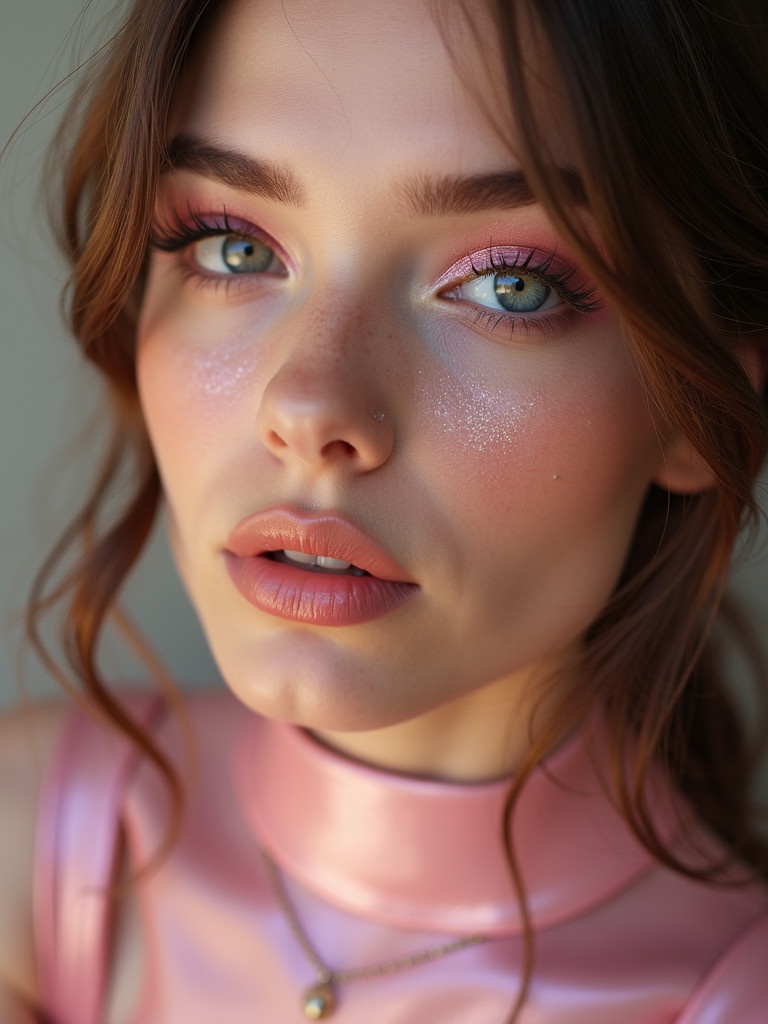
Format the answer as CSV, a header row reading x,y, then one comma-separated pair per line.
x,y
379,866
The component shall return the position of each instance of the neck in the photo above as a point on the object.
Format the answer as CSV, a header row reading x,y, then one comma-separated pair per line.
x,y
479,738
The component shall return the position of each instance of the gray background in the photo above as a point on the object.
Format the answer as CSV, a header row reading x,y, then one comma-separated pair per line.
x,y
48,402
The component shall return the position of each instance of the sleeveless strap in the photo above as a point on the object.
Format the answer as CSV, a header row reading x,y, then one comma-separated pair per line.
x,y
75,860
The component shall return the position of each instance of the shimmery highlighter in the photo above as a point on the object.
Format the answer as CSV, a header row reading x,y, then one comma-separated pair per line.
x,y
482,418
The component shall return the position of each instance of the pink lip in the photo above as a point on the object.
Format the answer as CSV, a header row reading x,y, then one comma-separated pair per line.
x,y
309,596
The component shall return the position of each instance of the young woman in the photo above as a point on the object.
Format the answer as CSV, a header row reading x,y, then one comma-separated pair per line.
x,y
440,329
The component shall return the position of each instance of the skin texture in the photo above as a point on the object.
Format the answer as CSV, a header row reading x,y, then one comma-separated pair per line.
x,y
501,464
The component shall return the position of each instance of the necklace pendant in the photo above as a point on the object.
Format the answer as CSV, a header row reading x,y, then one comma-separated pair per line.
x,y
318,1001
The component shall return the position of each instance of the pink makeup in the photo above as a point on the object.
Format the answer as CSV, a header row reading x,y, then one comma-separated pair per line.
x,y
317,569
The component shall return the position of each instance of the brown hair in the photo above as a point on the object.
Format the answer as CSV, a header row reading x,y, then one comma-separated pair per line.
x,y
667,104
667,100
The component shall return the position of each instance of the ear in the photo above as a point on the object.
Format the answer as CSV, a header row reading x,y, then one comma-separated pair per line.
x,y
680,469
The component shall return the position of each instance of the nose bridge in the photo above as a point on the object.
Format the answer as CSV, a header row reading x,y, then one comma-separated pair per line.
x,y
325,402
325,343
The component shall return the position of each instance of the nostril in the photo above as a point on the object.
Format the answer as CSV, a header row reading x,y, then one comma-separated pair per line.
x,y
339,447
276,441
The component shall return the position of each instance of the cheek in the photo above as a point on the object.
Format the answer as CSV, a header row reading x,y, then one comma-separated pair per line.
x,y
197,380
542,482
578,442
482,422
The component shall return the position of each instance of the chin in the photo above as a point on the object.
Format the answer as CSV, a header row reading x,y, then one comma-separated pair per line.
x,y
309,681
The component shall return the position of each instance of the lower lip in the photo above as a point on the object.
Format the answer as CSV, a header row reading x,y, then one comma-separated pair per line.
x,y
315,598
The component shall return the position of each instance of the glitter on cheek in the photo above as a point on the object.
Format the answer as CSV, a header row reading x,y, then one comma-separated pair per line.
x,y
204,380
226,371
481,418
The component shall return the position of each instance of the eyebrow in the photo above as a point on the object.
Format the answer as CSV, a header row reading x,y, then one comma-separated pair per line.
x,y
420,196
245,173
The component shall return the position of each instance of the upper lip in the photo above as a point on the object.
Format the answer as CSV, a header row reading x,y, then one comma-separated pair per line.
x,y
327,533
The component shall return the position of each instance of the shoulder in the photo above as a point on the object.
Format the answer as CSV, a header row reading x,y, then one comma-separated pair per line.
x,y
32,743
736,987
28,739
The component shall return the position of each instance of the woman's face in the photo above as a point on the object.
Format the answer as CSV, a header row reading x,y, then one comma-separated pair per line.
x,y
361,340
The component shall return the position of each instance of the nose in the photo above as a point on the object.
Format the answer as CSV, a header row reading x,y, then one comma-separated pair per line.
x,y
322,409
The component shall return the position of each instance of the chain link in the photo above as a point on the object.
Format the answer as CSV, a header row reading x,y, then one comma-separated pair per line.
x,y
326,974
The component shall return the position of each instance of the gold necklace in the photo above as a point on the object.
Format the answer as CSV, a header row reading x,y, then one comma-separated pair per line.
x,y
319,999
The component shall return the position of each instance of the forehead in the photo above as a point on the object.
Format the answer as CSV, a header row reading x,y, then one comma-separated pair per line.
x,y
349,77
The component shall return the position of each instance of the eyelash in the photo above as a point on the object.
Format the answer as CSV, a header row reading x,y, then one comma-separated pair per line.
x,y
534,264
176,235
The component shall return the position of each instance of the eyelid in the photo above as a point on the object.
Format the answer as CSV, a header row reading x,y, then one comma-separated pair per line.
x,y
498,257
562,277
175,232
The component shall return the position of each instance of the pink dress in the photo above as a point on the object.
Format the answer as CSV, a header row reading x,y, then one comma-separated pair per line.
x,y
377,866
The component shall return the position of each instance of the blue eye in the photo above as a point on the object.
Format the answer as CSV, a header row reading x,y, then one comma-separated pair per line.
x,y
520,294
508,291
234,254
527,289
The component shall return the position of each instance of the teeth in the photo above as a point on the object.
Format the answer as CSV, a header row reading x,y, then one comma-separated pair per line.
x,y
333,563
322,561
300,556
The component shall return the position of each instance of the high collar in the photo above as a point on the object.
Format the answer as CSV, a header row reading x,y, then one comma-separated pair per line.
x,y
428,855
